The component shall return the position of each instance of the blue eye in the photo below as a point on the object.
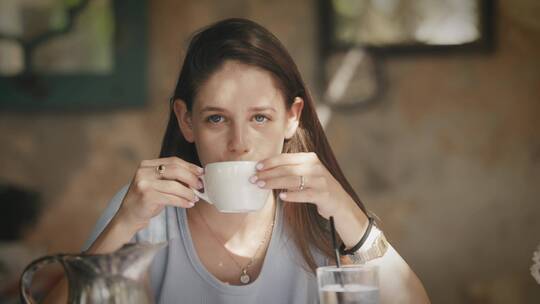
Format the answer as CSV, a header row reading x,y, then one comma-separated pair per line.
x,y
214,118
260,118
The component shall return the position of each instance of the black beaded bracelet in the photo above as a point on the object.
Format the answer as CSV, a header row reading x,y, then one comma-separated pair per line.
x,y
344,251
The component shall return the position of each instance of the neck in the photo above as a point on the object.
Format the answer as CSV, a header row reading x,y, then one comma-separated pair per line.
x,y
235,228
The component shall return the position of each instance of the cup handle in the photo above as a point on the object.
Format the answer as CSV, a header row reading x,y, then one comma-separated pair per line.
x,y
204,195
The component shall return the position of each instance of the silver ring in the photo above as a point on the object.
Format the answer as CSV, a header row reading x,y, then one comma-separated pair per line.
x,y
302,183
160,169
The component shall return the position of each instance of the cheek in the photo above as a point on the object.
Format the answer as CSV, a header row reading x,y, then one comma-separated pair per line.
x,y
270,140
209,139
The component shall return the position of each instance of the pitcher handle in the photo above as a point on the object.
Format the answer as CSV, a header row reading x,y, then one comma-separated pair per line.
x,y
28,274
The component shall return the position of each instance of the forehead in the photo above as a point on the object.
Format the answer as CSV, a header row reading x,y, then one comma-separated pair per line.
x,y
236,85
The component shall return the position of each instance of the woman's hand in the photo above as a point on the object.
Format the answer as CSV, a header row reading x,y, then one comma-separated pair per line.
x,y
286,171
150,191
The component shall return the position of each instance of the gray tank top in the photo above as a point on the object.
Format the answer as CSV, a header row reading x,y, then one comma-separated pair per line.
x,y
178,276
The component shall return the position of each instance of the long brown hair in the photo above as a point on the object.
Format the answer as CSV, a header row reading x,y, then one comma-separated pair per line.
x,y
250,43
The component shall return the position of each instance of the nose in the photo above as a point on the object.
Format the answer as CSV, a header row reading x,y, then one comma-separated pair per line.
x,y
238,143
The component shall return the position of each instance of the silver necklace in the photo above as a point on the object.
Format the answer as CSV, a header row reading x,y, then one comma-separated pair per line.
x,y
244,276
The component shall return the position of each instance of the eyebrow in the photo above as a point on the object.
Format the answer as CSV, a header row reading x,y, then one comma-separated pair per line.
x,y
252,109
213,109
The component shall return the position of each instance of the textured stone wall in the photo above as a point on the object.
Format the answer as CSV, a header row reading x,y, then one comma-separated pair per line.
x,y
449,159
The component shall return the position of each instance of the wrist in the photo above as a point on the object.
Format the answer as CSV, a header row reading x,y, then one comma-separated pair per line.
x,y
117,233
128,221
346,250
344,210
375,247
351,224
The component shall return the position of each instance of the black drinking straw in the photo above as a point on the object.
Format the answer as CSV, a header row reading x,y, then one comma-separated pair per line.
x,y
339,279
334,242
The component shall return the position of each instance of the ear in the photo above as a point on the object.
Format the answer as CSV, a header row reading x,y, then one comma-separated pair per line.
x,y
183,117
293,117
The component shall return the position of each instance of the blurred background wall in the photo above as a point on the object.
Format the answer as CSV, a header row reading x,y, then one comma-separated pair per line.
x,y
449,158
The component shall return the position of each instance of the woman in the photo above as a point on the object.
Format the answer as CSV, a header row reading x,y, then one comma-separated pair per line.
x,y
240,97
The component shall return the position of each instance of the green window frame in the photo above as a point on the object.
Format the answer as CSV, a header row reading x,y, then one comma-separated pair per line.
x,y
125,85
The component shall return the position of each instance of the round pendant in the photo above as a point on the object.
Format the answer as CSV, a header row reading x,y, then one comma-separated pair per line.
x,y
244,278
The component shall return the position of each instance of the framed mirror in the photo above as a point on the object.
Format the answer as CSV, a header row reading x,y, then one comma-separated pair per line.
x,y
406,25
356,35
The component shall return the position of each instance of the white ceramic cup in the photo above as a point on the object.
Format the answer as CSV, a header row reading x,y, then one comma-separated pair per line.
x,y
227,187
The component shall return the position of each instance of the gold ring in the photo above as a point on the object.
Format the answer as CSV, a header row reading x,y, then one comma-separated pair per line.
x,y
160,169
302,183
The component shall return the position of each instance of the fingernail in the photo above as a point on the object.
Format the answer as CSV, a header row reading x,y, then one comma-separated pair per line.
x,y
201,170
190,205
282,195
259,166
253,179
196,199
261,183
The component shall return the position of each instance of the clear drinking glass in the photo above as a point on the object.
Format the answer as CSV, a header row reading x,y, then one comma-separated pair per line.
x,y
349,284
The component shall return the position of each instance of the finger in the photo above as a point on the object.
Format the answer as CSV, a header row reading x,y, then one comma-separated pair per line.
x,y
175,172
178,173
290,182
165,199
285,170
287,159
172,161
174,188
304,196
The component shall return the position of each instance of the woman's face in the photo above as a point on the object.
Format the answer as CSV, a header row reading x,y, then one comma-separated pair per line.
x,y
238,114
